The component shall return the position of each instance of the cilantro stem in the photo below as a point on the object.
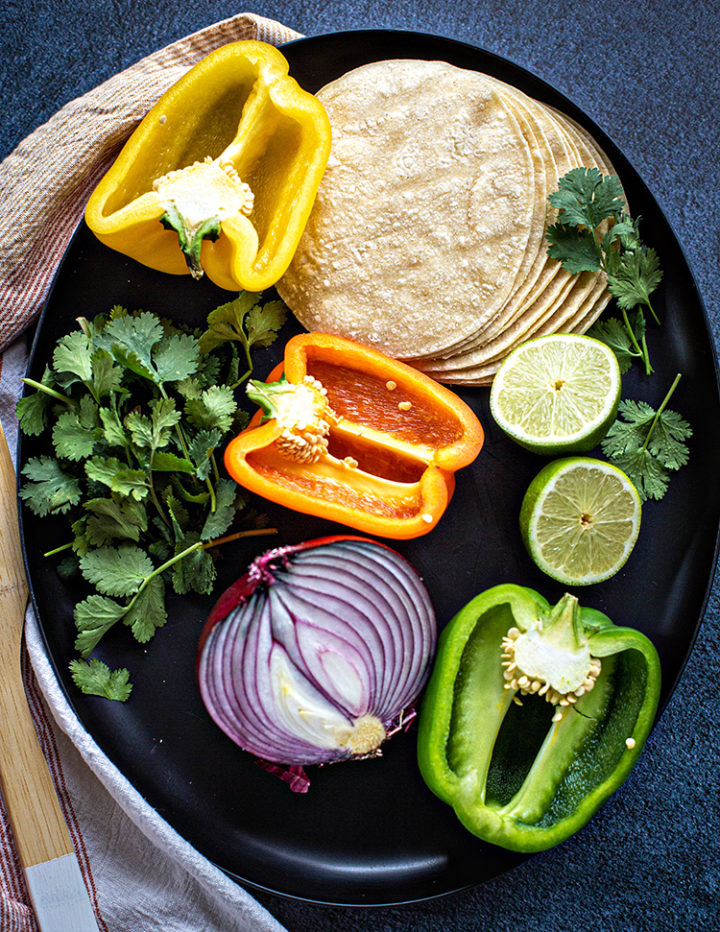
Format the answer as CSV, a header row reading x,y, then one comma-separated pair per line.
x,y
213,500
599,249
660,410
161,569
51,553
248,356
243,378
642,351
153,493
630,331
652,311
254,532
49,391
646,356
186,453
198,545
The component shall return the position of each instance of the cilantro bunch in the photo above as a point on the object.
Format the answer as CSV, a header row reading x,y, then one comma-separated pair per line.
x,y
595,233
138,410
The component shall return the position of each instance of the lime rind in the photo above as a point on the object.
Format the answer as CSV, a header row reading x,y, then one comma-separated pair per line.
x,y
580,520
557,394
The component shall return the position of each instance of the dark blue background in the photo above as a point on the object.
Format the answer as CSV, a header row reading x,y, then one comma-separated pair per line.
x,y
649,77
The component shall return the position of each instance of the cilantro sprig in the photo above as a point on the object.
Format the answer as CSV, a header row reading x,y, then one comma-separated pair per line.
x,y
137,409
594,233
648,444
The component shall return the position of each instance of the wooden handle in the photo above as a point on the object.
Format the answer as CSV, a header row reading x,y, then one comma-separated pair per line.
x,y
29,793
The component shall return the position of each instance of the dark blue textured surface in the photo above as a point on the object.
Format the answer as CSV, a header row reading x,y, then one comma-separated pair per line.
x,y
649,77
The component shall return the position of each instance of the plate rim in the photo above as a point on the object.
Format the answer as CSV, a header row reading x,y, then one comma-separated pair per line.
x,y
358,35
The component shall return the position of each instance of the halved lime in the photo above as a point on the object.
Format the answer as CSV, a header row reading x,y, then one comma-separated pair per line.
x,y
557,394
580,519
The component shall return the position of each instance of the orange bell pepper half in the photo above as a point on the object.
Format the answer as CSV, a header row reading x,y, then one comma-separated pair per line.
x,y
350,435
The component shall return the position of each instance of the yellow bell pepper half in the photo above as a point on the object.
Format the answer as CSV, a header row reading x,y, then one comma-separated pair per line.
x,y
221,174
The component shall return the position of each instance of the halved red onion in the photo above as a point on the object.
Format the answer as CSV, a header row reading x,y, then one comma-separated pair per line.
x,y
318,652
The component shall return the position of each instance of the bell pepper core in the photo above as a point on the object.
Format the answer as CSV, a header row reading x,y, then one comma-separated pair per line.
x,y
534,715
221,174
337,442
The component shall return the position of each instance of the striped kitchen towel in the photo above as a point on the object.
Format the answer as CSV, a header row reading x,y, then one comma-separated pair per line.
x,y
140,874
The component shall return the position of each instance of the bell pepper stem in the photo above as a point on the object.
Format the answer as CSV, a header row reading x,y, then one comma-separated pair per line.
x,y
191,238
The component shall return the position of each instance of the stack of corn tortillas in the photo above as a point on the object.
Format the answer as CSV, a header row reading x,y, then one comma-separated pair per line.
x,y
427,238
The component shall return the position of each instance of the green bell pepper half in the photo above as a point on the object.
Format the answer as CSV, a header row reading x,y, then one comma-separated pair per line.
x,y
519,771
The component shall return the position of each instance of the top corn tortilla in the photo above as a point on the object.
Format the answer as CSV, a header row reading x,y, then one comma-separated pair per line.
x,y
422,221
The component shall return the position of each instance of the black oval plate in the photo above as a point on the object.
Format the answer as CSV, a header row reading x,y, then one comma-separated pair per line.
x,y
370,832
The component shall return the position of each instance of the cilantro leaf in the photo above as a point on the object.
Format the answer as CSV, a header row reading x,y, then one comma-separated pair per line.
x,y
72,358
113,473
195,572
106,376
95,678
76,432
262,323
575,250
668,437
190,388
178,513
130,341
208,370
153,432
625,231
219,521
176,358
637,275
116,571
645,471
140,429
147,612
32,410
226,322
215,408
585,198
244,320
114,520
201,449
163,461
49,490
115,434
94,617
67,567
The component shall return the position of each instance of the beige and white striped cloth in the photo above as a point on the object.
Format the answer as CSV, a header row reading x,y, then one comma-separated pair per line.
x,y
140,874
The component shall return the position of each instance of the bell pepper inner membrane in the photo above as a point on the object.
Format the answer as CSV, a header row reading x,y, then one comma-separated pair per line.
x,y
209,127
365,398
